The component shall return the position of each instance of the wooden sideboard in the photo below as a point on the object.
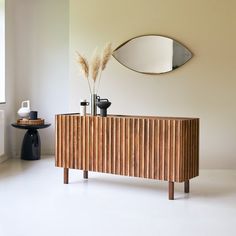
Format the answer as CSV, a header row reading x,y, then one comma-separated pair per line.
x,y
162,148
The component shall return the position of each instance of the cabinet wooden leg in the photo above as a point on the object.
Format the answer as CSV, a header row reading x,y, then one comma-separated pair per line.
x,y
171,190
85,174
66,175
186,186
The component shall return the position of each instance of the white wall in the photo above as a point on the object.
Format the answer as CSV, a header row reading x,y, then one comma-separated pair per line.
x,y
2,134
41,56
9,107
2,50
204,87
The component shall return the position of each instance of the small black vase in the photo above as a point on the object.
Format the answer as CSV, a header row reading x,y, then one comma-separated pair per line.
x,y
103,104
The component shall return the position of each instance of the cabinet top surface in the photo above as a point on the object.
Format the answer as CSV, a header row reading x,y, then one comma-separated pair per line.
x,y
134,117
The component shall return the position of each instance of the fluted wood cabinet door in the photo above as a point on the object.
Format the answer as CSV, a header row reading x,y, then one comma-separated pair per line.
x,y
148,147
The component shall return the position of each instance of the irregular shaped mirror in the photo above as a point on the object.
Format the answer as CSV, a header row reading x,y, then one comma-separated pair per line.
x,y
152,54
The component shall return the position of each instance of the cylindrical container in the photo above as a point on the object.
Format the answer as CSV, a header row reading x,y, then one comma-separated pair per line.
x,y
33,115
93,104
83,105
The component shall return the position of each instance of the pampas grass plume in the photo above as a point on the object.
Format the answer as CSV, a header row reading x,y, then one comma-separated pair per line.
x,y
95,66
107,52
84,64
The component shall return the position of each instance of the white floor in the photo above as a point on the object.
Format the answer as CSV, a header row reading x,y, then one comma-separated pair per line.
x,y
35,202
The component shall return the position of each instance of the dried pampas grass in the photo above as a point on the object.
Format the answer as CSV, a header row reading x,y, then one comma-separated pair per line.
x,y
97,65
84,64
107,52
106,55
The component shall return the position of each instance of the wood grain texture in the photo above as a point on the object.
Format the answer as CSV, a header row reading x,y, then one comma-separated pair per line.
x,y
149,147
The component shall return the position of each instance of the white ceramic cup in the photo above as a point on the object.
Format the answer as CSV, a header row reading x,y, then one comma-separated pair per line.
x,y
83,104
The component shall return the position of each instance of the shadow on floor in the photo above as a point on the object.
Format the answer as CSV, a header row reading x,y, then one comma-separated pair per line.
x,y
216,187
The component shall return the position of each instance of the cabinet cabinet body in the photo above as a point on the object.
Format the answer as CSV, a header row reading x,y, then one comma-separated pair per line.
x,y
162,148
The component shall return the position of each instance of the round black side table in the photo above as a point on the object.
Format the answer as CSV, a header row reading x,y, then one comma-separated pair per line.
x,y
31,145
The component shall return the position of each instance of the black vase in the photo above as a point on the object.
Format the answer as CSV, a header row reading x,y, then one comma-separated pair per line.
x,y
103,104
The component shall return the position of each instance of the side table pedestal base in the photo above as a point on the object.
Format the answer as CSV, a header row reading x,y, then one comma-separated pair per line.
x,y
31,146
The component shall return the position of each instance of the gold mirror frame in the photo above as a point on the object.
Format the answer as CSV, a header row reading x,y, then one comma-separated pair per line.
x,y
152,54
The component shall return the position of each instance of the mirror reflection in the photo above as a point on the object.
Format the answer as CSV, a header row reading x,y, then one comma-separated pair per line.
x,y
152,54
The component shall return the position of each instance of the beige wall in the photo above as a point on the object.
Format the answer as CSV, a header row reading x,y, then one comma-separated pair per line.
x,y
204,87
